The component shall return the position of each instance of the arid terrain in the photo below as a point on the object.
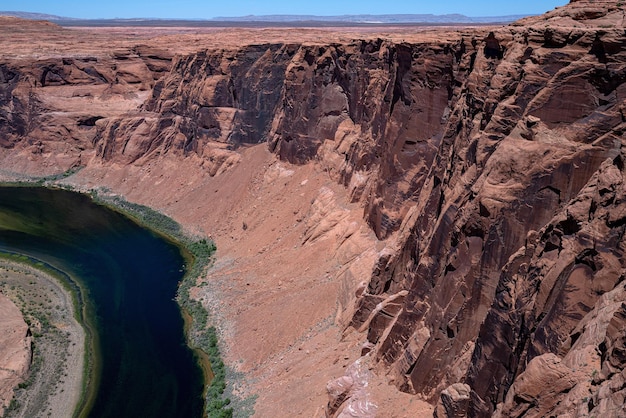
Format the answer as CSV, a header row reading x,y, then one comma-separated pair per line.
x,y
407,223
53,348
15,351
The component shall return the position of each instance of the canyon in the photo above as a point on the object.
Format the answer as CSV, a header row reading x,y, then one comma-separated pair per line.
x,y
406,224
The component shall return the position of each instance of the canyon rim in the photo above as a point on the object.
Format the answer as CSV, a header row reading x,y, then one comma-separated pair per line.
x,y
405,225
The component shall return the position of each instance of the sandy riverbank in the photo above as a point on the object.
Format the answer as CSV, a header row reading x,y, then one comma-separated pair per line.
x,y
55,379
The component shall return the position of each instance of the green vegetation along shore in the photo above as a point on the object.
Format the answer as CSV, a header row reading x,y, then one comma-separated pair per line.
x,y
201,338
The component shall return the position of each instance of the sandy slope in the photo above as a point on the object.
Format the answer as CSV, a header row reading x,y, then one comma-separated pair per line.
x,y
280,282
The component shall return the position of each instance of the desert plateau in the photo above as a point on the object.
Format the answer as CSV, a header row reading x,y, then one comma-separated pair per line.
x,y
410,221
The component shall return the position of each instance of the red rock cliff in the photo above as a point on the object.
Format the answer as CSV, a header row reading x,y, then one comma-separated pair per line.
x,y
497,184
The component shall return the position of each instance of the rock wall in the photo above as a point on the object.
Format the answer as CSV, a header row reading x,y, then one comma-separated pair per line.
x,y
349,106
54,106
527,141
495,184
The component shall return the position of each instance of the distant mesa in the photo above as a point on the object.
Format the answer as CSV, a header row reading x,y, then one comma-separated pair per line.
x,y
34,16
380,19
359,19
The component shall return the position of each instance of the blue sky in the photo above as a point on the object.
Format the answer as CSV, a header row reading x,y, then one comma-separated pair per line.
x,y
211,8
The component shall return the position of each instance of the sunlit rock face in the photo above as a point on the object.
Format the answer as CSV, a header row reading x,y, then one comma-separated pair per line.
x,y
493,182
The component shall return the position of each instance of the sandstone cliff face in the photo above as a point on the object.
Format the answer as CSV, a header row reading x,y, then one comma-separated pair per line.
x,y
496,186
297,97
528,139
372,111
51,106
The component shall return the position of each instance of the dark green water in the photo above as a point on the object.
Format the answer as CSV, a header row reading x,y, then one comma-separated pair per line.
x,y
129,277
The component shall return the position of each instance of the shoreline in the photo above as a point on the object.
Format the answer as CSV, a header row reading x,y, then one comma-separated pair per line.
x,y
196,252
56,382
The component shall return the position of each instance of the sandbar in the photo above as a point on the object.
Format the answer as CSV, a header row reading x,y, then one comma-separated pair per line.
x,y
55,381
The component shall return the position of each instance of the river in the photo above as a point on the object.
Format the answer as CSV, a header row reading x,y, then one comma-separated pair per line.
x,y
128,275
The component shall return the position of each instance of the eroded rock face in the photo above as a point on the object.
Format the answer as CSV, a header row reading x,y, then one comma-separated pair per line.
x,y
453,401
377,108
517,163
57,106
348,396
495,185
15,350
357,107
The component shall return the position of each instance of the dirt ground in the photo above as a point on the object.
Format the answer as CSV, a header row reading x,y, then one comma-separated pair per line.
x,y
54,383
291,251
